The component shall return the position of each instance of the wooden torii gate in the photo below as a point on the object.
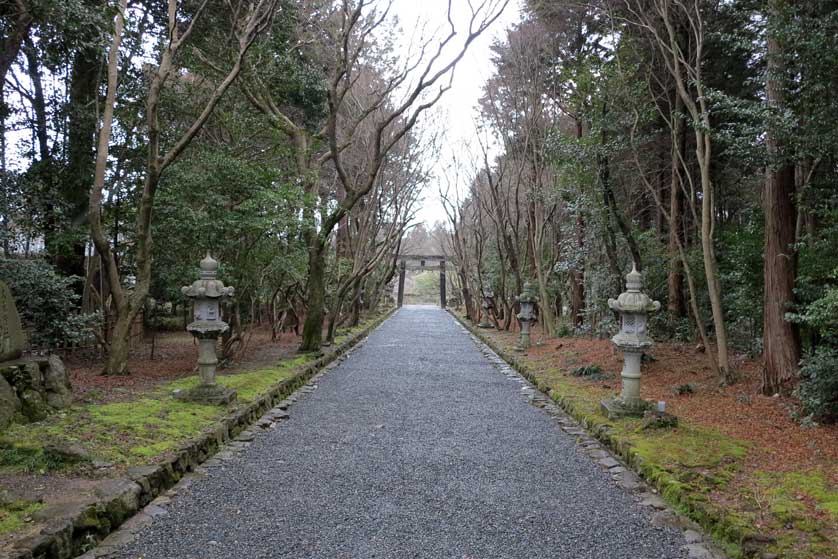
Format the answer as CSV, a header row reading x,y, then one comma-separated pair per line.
x,y
422,262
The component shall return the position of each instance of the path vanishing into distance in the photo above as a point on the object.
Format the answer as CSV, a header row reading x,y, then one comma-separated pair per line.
x,y
418,445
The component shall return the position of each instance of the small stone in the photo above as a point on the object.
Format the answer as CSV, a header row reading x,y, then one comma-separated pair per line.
x,y
598,453
279,414
691,536
608,462
246,436
628,480
652,500
699,551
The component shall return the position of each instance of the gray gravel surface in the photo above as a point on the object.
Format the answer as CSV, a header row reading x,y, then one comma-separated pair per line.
x,y
415,446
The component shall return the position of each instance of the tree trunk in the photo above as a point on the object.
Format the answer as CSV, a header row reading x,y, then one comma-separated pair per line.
x,y
81,157
711,266
316,297
577,275
120,343
676,304
781,351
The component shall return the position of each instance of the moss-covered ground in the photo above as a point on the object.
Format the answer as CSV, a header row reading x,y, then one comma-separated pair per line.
x,y
15,514
721,481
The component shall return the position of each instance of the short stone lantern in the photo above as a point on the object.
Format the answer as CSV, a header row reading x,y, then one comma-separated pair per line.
x,y
633,306
207,294
527,300
488,305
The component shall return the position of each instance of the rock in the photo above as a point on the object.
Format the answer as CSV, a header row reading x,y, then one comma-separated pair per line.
x,y
651,500
628,480
691,536
68,452
659,420
608,462
699,551
59,393
33,407
11,333
9,403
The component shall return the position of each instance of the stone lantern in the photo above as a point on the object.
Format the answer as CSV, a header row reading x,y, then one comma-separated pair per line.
x,y
527,300
488,305
633,306
207,294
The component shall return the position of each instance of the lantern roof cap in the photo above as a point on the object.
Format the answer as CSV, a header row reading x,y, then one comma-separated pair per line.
x,y
528,294
208,286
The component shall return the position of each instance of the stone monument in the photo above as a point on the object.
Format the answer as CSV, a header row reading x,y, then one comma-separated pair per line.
x,y
11,333
633,306
488,306
527,300
207,292
31,388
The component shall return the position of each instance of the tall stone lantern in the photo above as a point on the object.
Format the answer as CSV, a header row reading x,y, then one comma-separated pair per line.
x,y
207,294
488,305
527,300
633,306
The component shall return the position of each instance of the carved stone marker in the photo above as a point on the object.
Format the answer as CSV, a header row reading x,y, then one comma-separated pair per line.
x,y
31,387
11,333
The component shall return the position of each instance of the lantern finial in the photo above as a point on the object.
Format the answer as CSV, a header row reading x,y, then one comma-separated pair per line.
x,y
634,279
209,267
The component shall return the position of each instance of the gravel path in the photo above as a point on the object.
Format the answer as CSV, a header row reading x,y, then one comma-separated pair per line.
x,y
415,446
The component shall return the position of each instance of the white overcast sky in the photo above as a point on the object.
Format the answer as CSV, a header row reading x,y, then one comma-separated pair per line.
x,y
460,102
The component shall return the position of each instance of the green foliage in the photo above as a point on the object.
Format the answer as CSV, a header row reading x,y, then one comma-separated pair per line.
x,y
47,302
818,390
741,276
29,459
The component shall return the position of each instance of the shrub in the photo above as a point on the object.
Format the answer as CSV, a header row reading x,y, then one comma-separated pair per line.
x,y
588,371
818,390
46,301
684,389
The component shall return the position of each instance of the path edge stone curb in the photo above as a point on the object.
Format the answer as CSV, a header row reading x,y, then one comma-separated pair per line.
x,y
674,497
76,532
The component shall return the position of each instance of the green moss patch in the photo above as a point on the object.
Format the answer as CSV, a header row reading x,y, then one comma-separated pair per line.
x,y
13,515
250,385
131,432
791,496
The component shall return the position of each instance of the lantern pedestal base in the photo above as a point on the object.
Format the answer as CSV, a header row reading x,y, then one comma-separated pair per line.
x,y
615,408
207,394
484,324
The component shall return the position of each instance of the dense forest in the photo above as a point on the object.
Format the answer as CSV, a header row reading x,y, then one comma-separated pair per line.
x,y
293,140
280,136
693,139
